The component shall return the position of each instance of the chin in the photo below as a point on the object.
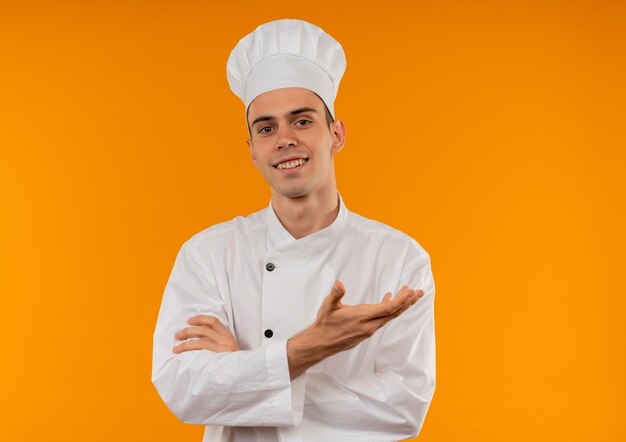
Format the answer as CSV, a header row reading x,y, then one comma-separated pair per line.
x,y
293,192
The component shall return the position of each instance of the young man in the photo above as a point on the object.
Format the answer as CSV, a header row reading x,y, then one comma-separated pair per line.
x,y
282,326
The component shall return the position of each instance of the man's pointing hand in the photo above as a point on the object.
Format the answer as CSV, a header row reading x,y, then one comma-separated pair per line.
x,y
339,327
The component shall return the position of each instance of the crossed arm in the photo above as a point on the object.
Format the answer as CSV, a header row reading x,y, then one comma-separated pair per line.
x,y
271,386
337,327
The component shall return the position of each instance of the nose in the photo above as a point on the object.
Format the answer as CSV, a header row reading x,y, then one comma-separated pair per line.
x,y
286,138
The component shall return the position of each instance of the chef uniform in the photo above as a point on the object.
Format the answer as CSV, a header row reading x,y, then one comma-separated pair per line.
x,y
265,286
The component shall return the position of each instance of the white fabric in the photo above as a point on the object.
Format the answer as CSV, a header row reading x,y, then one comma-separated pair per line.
x,y
286,53
378,391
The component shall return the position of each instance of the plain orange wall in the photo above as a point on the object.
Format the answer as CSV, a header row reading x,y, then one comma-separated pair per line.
x,y
492,132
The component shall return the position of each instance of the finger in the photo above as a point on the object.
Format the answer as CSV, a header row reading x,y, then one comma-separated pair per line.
x,y
379,321
413,295
221,329
406,291
195,344
391,310
213,323
209,321
204,332
387,297
338,290
336,293
202,320
405,299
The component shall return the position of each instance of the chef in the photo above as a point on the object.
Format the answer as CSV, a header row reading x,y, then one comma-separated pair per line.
x,y
303,321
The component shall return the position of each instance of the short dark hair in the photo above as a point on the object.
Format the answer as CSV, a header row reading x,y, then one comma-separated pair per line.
x,y
329,118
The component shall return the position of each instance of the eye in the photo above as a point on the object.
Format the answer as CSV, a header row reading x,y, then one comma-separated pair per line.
x,y
265,129
303,122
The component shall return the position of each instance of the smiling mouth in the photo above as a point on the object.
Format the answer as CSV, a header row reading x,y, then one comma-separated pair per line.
x,y
291,164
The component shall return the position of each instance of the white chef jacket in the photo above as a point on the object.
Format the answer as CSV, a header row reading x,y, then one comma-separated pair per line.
x,y
379,390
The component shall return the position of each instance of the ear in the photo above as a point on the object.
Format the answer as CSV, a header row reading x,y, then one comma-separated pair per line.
x,y
338,131
252,155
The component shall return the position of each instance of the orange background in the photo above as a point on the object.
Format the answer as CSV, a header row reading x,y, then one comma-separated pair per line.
x,y
492,132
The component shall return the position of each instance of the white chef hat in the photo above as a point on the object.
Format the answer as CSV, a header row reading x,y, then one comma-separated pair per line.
x,y
286,53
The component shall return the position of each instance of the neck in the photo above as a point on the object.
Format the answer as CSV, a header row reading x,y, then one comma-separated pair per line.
x,y
305,215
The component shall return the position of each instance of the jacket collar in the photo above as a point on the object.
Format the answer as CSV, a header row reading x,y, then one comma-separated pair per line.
x,y
280,241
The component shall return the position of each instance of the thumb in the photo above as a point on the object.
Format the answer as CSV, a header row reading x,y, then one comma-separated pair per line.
x,y
336,293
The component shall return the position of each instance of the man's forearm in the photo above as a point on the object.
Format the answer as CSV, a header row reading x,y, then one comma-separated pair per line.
x,y
303,353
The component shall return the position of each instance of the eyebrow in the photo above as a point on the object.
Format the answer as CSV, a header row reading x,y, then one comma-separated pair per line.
x,y
300,110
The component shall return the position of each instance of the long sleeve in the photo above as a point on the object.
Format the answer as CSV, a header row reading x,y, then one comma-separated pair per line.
x,y
243,388
391,403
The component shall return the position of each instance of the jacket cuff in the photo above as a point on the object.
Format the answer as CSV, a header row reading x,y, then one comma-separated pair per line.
x,y
288,402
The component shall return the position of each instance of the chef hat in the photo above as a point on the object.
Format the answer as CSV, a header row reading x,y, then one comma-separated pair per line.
x,y
286,53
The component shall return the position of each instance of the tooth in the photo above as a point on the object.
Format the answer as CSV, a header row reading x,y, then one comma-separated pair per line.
x,y
291,164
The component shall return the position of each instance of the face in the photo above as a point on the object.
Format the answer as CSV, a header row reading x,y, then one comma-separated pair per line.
x,y
291,143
